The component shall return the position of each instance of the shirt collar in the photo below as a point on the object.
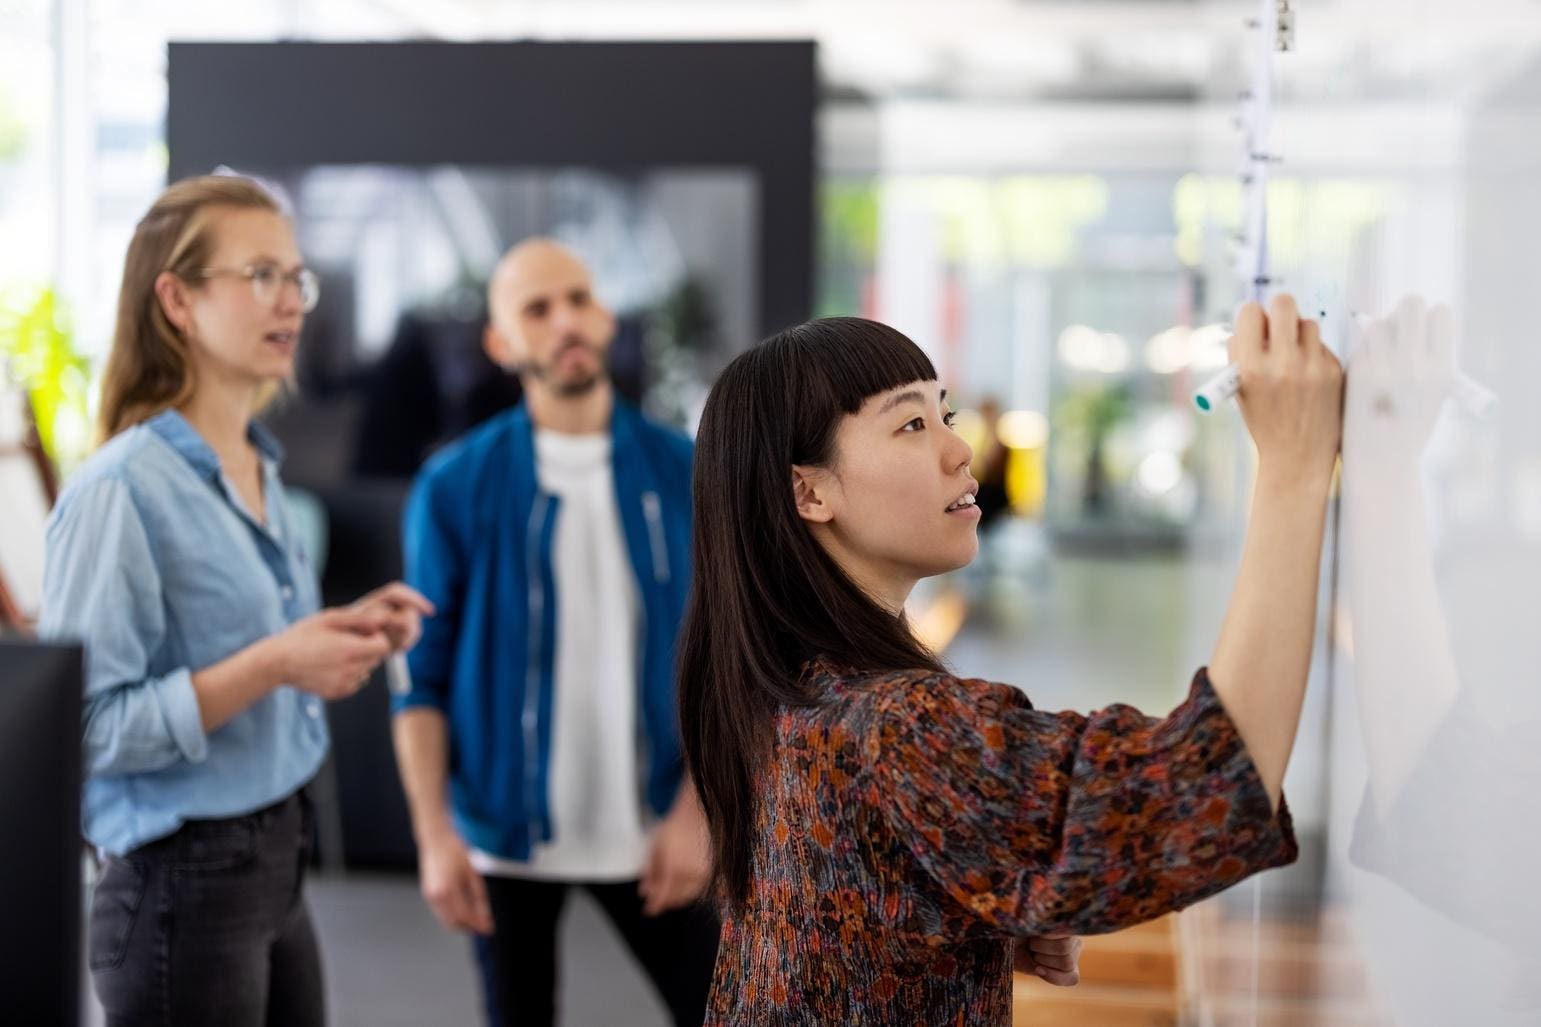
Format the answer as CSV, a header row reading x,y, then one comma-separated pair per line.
x,y
174,430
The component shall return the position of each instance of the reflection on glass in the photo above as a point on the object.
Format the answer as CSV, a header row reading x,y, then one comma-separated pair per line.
x,y
1446,782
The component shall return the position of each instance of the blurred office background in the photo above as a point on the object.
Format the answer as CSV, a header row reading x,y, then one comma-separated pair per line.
x,y
1049,197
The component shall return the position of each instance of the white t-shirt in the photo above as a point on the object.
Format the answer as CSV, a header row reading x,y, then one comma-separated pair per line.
x,y
597,827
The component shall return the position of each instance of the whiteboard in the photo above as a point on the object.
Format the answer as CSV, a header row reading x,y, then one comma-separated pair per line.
x,y
1417,771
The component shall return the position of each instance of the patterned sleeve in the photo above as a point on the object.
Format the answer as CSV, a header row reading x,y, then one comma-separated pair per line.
x,y
1041,822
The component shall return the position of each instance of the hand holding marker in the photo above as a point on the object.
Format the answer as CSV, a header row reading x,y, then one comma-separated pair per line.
x,y
1277,25
1469,397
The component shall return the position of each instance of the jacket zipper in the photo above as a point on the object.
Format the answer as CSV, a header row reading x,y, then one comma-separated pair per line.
x,y
529,718
644,742
652,509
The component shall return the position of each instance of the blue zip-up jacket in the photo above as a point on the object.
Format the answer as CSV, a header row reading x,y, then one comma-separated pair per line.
x,y
478,536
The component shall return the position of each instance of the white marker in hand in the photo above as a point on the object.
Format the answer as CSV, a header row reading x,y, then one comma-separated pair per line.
x,y
1470,398
1218,389
398,679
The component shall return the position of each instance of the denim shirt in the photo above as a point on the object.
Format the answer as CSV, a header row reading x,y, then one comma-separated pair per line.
x,y
154,563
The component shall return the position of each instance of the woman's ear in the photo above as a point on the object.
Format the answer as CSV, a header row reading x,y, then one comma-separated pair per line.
x,y
810,487
171,294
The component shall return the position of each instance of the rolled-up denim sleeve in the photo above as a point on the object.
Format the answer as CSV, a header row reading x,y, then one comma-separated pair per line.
x,y
101,587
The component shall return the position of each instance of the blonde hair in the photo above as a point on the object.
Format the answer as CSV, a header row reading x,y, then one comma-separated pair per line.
x,y
149,368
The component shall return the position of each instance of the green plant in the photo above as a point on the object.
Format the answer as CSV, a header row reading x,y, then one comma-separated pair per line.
x,y
1091,414
848,212
39,355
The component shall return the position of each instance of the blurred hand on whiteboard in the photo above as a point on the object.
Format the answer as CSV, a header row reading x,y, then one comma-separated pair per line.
x,y
1399,376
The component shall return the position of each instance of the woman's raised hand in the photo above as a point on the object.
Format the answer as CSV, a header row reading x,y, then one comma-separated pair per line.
x,y
1291,390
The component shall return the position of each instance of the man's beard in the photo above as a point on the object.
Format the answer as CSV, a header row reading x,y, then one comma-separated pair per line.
x,y
579,387
573,387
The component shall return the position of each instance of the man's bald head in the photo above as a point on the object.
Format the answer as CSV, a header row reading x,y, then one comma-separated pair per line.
x,y
530,265
544,320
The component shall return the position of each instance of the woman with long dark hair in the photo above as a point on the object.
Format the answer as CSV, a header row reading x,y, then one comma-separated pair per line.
x,y
885,833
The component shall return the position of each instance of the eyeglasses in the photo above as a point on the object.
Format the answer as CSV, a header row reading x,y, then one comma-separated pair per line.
x,y
267,282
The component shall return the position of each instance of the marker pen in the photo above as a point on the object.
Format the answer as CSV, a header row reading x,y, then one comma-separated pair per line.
x,y
1470,398
1218,389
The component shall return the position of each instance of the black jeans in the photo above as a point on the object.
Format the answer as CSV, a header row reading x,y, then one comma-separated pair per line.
x,y
677,950
209,926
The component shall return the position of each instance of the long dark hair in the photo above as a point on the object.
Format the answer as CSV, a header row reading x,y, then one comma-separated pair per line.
x,y
765,597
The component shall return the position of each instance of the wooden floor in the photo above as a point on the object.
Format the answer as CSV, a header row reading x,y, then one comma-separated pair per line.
x,y
1201,968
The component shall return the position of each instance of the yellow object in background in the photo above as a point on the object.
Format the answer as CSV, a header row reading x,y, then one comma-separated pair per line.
x,y
1027,480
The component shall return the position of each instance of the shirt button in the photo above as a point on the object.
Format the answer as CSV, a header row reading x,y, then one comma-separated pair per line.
x,y
313,708
286,592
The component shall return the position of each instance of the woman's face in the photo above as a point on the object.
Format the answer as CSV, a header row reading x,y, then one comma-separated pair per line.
x,y
896,503
235,331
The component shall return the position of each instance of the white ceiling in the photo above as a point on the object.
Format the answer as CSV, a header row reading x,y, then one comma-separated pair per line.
x,y
1111,50
965,84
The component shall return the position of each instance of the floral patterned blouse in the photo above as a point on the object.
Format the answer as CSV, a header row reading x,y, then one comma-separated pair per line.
x,y
913,824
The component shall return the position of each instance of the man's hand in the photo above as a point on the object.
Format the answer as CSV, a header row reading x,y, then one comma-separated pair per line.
x,y
680,863
455,891
1056,958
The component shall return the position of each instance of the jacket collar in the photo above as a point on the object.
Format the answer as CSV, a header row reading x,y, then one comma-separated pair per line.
x,y
625,424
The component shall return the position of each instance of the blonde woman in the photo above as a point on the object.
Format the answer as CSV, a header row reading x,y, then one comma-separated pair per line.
x,y
171,556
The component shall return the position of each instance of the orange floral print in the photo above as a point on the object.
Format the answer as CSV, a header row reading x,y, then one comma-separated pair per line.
x,y
912,825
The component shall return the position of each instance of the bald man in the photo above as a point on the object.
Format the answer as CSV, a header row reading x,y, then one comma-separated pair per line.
x,y
537,737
